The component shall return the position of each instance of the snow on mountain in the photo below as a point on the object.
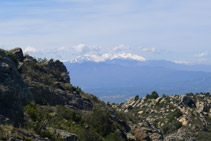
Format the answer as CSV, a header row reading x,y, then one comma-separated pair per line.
x,y
107,56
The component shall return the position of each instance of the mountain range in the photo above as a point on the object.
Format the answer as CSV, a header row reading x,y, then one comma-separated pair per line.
x,y
119,76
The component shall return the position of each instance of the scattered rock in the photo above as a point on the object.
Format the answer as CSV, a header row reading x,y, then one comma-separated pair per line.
x,y
184,121
202,106
156,137
131,137
66,136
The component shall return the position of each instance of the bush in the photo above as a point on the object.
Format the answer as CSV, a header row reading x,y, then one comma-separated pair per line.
x,y
154,95
88,135
136,98
100,122
113,137
130,107
171,128
68,114
32,112
176,114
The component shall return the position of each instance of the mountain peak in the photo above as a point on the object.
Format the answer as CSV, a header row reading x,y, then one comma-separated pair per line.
x,y
107,56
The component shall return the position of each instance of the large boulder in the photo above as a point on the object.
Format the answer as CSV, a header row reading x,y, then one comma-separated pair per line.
x,y
18,53
187,101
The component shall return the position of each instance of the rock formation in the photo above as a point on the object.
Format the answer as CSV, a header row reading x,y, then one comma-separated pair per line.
x,y
177,117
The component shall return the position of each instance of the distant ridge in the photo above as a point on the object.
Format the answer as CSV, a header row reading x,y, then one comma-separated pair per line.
x,y
118,78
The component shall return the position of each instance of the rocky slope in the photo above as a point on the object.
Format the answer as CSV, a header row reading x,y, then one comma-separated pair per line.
x,y
169,118
37,102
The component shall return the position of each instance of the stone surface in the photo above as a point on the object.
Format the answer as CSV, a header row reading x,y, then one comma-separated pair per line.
x,y
184,121
131,137
66,136
13,92
156,137
187,101
18,53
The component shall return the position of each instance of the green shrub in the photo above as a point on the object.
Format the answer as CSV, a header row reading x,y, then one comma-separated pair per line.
x,y
130,107
68,114
12,56
32,112
164,96
136,97
190,94
113,137
100,121
171,128
176,114
153,95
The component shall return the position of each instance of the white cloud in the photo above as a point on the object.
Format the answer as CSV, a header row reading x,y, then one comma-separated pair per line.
x,y
61,49
29,49
203,54
120,48
181,62
79,48
152,50
85,49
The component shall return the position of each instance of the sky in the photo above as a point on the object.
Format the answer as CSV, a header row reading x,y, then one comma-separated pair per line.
x,y
178,30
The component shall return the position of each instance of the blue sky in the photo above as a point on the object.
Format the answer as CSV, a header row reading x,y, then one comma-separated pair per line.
x,y
177,30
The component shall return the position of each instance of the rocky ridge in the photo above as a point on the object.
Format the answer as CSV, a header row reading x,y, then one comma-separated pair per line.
x,y
177,117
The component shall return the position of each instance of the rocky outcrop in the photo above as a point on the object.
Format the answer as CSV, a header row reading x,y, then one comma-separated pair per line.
x,y
49,83
169,118
18,53
13,91
60,67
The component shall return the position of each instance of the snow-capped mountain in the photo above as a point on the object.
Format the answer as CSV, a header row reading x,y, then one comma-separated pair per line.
x,y
107,56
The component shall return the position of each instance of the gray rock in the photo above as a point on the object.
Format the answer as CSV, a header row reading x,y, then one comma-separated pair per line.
x,y
131,137
18,53
178,137
66,136
156,137
29,59
13,92
187,101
